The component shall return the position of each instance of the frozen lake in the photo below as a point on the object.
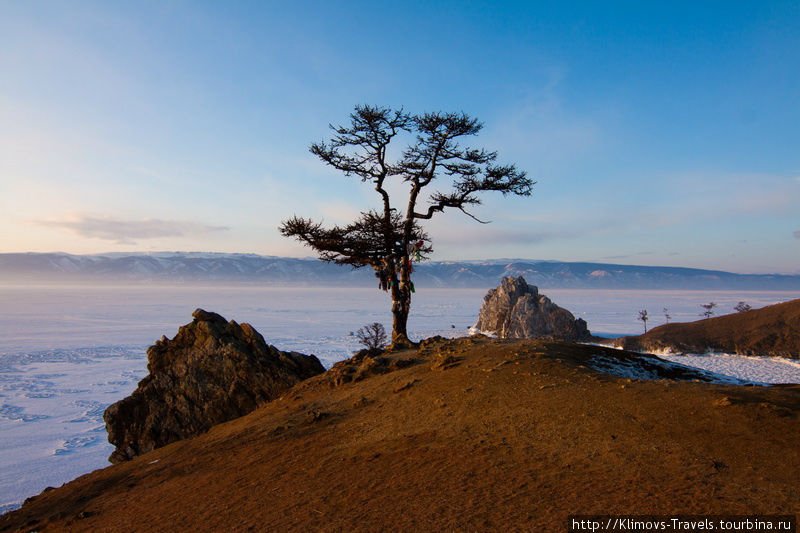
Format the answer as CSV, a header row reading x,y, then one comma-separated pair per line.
x,y
67,352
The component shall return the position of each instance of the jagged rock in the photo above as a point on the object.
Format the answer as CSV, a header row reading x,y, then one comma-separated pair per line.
x,y
211,372
516,310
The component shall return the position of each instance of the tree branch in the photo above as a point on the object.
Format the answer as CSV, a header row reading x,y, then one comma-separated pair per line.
x,y
360,243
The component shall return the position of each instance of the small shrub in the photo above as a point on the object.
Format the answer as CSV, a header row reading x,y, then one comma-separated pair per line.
x,y
741,307
372,336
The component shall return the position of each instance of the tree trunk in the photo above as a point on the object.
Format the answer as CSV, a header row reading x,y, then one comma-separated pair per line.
x,y
399,324
401,305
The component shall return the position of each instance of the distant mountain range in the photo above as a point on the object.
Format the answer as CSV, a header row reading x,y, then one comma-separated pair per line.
x,y
193,267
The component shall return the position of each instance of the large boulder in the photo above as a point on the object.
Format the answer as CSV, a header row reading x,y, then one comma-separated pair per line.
x,y
516,310
211,372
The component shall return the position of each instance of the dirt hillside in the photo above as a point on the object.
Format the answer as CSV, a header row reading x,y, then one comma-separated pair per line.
x,y
771,330
467,435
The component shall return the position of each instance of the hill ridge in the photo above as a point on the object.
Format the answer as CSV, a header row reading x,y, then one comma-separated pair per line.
x,y
202,267
770,330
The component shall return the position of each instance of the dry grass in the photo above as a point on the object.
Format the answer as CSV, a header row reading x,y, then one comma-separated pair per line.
x,y
476,435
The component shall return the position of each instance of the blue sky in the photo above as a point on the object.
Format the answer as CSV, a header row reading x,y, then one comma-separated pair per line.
x,y
658,134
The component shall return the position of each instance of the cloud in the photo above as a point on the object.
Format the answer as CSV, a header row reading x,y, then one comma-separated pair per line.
x,y
541,127
629,256
338,212
492,236
128,231
797,234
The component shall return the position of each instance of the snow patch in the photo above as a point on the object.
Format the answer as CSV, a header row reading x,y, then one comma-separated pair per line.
x,y
473,330
654,368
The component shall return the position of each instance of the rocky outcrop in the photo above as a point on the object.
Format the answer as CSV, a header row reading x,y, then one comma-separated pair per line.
x,y
516,310
211,372
364,364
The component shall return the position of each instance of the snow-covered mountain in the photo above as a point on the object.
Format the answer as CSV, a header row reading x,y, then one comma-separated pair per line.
x,y
193,267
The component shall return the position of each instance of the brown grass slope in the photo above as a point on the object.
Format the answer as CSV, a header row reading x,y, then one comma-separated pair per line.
x,y
771,330
475,435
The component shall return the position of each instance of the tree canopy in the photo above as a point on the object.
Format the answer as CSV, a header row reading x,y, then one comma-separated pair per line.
x,y
440,174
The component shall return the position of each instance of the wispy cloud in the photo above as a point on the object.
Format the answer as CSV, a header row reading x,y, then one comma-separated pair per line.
x,y
478,236
692,197
339,212
129,231
540,126
628,256
797,234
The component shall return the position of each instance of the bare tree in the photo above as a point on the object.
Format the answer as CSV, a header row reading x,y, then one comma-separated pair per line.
x,y
372,336
708,309
667,315
388,239
741,307
644,318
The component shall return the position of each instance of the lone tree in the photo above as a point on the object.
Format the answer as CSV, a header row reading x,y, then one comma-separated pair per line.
x,y
644,318
438,173
709,309
667,315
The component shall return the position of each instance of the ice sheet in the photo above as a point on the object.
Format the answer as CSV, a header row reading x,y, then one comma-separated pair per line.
x,y
761,370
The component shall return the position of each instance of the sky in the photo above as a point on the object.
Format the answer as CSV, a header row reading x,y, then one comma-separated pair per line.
x,y
658,133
